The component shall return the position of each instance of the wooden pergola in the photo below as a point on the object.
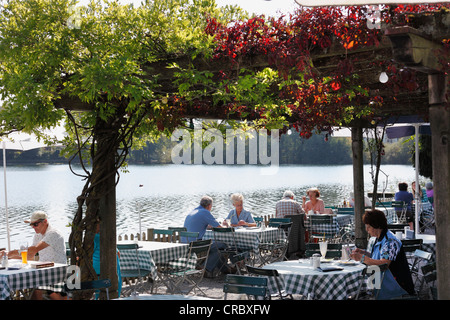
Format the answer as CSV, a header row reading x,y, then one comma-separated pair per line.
x,y
409,46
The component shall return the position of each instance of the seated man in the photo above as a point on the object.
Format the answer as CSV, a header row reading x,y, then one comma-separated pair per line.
x,y
197,221
50,245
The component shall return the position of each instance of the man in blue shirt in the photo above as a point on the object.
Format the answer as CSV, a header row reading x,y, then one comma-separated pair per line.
x,y
407,198
197,221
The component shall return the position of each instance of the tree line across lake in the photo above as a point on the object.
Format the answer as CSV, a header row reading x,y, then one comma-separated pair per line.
x,y
317,150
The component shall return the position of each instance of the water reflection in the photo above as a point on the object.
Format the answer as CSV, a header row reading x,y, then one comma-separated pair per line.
x,y
165,194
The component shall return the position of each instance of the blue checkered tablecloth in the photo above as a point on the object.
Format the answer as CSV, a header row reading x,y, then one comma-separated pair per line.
x,y
28,278
246,237
299,277
151,253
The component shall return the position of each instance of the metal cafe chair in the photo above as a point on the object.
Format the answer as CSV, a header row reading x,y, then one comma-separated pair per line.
x,y
275,249
186,273
402,215
322,226
255,287
278,281
136,272
370,294
231,252
420,257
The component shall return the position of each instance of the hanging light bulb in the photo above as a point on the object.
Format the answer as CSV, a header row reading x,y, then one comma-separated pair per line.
x,y
384,77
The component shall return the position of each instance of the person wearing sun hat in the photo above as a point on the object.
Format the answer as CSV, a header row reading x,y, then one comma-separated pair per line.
x,y
48,243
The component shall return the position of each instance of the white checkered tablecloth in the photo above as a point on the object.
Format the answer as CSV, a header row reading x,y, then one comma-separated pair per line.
x,y
151,253
246,237
27,278
300,278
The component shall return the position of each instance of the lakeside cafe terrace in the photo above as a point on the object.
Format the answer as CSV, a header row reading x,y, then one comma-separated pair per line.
x,y
159,259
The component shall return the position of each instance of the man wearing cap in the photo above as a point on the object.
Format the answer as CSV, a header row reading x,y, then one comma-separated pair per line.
x,y
48,242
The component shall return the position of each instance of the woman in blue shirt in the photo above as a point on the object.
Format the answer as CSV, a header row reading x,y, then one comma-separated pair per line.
x,y
239,216
385,248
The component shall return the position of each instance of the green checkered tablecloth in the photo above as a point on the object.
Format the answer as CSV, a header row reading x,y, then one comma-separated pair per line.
x,y
246,237
151,253
28,278
300,278
389,212
339,222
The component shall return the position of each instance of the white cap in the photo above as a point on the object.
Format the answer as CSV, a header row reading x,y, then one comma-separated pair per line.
x,y
36,216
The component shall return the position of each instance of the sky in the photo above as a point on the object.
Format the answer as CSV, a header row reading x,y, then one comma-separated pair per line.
x,y
267,7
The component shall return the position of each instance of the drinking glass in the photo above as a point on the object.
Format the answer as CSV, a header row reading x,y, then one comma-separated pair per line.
x,y
323,248
24,252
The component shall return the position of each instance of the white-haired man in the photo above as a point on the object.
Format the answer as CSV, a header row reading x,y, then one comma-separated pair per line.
x,y
287,205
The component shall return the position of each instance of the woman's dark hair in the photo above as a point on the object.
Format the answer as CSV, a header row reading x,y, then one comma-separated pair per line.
x,y
403,186
375,218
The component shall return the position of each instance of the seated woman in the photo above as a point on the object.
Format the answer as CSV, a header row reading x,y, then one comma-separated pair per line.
x,y
314,203
386,249
239,216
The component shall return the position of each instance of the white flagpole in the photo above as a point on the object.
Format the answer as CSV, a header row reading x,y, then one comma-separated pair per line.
x,y
6,197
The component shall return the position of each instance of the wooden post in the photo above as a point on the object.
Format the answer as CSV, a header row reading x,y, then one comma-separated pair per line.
x,y
440,135
358,185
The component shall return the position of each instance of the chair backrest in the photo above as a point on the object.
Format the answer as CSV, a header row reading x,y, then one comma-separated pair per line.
x,y
188,236
275,222
346,210
334,250
176,233
259,220
411,245
91,285
320,219
217,231
397,227
268,273
398,204
163,235
201,250
251,286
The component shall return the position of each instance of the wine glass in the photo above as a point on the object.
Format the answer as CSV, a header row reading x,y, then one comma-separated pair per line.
x,y
323,248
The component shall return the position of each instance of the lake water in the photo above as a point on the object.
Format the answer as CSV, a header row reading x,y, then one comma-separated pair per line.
x,y
169,192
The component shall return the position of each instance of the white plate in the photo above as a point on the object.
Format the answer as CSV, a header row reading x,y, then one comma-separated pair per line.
x,y
348,263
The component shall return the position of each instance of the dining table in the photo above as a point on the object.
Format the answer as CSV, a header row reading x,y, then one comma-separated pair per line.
x,y
246,237
19,277
299,277
152,253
